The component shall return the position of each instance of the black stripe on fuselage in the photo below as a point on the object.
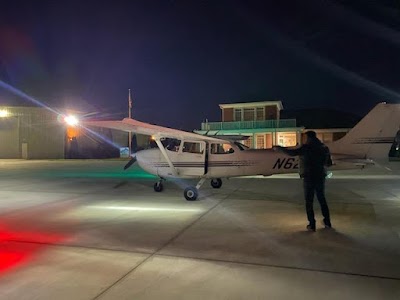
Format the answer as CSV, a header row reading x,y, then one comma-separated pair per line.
x,y
201,165
374,140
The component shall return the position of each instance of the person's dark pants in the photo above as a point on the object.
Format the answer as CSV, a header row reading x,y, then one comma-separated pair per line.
x,y
315,186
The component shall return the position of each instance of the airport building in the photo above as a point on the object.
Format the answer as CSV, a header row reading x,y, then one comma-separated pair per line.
x,y
30,132
261,122
38,133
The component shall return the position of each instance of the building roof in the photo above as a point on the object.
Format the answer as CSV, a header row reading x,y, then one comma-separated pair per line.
x,y
321,118
253,104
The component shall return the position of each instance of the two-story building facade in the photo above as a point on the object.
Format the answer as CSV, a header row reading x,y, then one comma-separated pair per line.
x,y
259,121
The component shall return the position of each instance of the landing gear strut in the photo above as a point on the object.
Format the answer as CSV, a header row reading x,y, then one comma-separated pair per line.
x,y
192,192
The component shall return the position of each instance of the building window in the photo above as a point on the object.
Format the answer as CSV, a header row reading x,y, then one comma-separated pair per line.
x,y
248,142
238,114
248,114
287,139
260,141
260,114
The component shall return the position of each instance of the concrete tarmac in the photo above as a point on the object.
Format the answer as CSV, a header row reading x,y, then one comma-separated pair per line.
x,y
89,230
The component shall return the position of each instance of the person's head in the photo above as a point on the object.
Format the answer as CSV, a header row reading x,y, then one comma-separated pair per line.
x,y
311,136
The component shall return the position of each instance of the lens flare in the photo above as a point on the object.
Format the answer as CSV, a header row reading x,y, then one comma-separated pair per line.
x,y
4,113
71,120
25,96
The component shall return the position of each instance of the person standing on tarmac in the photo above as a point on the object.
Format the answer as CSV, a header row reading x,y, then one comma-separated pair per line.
x,y
314,157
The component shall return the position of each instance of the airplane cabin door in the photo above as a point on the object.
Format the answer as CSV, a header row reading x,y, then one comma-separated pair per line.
x,y
191,160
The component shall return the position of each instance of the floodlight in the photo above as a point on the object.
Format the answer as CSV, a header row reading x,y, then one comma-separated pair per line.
x,y
4,113
71,120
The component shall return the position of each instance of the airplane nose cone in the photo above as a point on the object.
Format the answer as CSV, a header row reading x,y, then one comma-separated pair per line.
x,y
147,160
148,156
140,157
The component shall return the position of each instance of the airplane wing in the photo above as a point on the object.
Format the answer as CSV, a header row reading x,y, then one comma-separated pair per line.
x,y
131,125
230,138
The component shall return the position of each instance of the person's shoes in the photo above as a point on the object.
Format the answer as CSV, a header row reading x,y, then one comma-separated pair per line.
x,y
311,227
327,223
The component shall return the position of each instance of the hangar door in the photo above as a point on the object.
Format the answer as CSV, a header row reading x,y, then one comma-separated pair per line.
x,y
9,138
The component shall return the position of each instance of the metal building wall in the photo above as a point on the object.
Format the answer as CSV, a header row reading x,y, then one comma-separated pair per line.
x,y
9,138
46,136
36,135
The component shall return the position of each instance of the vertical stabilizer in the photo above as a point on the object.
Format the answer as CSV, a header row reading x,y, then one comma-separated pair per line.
x,y
373,136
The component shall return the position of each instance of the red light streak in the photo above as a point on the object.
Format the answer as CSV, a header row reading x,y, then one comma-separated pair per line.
x,y
18,248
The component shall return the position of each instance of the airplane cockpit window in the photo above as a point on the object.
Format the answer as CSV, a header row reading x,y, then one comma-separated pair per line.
x,y
193,147
221,149
173,145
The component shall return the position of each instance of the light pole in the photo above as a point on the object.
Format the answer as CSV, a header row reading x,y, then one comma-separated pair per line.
x,y
130,117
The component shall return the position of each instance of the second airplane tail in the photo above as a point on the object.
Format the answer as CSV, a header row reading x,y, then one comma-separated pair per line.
x,y
373,136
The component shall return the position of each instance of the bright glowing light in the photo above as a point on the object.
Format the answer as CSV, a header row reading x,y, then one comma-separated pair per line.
x,y
4,113
13,256
71,120
137,208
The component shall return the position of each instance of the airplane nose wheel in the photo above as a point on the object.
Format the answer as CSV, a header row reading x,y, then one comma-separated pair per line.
x,y
216,183
158,186
190,193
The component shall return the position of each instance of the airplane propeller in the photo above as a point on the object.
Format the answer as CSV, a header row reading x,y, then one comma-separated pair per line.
x,y
134,148
130,163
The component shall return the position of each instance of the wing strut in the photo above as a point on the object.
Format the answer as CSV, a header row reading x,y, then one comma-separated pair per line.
x,y
162,149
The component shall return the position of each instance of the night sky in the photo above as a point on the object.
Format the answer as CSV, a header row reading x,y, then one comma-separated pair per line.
x,y
183,58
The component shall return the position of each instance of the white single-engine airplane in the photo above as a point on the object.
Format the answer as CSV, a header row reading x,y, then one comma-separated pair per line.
x,y
191,155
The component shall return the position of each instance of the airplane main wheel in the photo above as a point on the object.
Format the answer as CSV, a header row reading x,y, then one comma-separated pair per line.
x,y
216,183
190,193
158,186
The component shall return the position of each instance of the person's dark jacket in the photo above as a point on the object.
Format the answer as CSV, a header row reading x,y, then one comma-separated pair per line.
x,y
314,156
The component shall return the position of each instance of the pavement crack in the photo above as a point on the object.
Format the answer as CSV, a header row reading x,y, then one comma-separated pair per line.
x,y
190,225
282,267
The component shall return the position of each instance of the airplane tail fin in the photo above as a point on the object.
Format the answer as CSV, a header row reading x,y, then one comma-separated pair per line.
x,y
373,136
